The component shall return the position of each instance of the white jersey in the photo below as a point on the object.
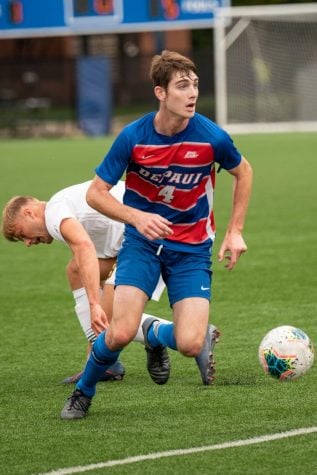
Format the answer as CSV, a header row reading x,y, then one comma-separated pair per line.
x,y
105,233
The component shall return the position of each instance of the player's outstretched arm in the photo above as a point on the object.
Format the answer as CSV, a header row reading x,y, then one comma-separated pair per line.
x,y
233,244
88,267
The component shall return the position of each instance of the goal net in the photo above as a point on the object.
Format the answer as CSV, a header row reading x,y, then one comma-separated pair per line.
x,y
266,68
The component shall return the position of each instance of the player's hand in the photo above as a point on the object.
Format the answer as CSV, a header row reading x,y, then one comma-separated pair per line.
x,y
99,321
231,249
152,226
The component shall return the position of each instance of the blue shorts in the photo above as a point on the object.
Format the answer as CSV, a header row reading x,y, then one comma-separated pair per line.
x,y
140,263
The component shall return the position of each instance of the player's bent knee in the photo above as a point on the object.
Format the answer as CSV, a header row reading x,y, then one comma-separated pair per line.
x,y
190,349
71,268
120,339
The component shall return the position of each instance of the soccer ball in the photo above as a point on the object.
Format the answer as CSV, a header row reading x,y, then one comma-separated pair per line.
x,y
286,353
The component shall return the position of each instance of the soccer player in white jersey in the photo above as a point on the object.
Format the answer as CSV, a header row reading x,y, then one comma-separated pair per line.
x,y
169,158
94,241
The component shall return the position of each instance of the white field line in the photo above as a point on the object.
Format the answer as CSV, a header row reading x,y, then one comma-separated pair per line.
x,y
176,453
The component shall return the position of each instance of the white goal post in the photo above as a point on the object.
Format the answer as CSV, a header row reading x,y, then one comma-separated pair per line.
x,y
266,68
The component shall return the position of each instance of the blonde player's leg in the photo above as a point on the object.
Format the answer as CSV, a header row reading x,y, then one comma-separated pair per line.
x,y
82,311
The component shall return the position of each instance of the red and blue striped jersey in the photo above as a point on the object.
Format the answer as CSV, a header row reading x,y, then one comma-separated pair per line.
x,y
172,176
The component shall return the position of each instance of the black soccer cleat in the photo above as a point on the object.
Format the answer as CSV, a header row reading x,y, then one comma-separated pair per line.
x,y
76,406
158,363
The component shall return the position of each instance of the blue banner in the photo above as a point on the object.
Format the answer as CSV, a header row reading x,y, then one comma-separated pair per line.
x,y
94,95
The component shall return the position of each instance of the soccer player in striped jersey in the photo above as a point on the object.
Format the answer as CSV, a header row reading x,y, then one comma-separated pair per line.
x,y
169,157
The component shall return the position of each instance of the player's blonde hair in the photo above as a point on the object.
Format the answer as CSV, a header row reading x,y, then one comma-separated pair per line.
x,y
10,214
165,64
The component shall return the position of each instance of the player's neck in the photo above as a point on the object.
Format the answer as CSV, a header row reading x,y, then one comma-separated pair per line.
x,y
42,206
169,125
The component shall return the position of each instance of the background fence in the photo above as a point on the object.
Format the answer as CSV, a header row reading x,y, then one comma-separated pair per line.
x,y
39,97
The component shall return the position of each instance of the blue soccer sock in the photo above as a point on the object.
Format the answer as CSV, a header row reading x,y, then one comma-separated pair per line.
x,y
162,334
100,359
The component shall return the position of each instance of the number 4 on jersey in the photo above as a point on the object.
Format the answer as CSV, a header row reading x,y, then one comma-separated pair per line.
x,y
168,193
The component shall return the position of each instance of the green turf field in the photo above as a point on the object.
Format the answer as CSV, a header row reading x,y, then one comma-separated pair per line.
x,y
274,283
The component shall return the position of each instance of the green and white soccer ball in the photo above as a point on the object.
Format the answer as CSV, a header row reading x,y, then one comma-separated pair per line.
x,y
286,353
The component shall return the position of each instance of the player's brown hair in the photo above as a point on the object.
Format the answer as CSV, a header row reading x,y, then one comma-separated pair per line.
x,y
165,64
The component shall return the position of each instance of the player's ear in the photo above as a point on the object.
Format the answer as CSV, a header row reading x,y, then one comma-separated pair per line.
x,y
160,93
27,212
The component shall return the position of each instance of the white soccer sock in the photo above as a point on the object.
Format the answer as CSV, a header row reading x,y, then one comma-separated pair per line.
x,y
139,336
82,310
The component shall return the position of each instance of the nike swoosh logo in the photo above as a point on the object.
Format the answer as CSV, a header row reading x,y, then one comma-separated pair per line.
x,y
147,156
204,288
